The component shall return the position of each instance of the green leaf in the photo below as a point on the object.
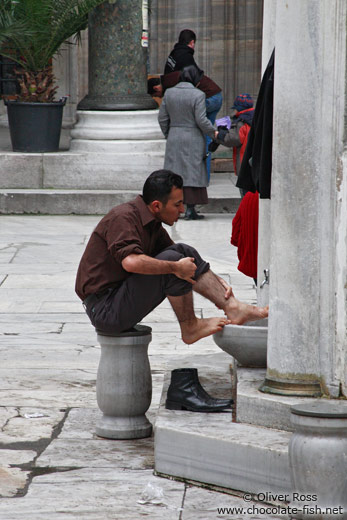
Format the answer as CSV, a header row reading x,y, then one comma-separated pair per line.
x,y
32,31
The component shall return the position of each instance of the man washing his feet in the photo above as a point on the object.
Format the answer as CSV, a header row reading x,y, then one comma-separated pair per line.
x,y
130,265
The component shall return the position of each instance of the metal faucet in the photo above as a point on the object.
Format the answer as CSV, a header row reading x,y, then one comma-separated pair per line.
x,y
266,279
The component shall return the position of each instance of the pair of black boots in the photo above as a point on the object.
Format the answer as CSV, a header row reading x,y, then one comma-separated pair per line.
x,y
186,393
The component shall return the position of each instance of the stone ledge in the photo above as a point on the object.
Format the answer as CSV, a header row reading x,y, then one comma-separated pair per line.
x,y
211,449
84,171
257,408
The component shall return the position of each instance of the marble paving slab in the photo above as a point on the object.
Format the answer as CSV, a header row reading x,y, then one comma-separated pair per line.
x,y
47,387
30,424
64,317
98,494
32,267
22,327
66,359
39,281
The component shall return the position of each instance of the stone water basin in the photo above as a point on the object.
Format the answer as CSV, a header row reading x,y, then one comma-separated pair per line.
x,y
246,343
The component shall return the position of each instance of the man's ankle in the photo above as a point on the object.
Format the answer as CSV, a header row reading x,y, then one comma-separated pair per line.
x,y
186,322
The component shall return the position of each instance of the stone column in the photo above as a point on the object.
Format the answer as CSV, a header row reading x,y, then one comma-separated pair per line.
x,y
117,60
117,141
307,344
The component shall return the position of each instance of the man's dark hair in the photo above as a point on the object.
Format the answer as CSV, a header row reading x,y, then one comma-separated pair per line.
x,y
186,36
151,83
159,184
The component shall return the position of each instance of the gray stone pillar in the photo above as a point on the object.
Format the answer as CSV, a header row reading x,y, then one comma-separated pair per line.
x,y
307,344
117,60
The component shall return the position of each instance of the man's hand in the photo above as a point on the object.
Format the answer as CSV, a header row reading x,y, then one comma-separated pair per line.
x,y
142,264
228,290
185,269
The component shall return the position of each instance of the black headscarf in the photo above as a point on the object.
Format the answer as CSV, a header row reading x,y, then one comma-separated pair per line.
x,y
191,74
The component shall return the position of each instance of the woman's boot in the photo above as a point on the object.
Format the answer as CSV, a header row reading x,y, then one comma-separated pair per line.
x,y
191,213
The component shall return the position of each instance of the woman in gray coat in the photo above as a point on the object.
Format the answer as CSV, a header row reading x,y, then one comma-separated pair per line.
x,y
182,119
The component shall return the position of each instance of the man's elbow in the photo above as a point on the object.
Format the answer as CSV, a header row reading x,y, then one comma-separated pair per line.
x,y
129,263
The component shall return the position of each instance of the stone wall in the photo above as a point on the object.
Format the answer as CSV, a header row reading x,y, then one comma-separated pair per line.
x,y
71,71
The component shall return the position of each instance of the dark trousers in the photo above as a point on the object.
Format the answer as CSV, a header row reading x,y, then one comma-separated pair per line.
x,y
120,309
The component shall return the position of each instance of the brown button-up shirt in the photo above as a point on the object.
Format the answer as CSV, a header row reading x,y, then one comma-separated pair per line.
x,y
127,229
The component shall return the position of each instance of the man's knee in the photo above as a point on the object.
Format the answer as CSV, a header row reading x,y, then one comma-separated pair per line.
x,y
171,255
181,250
177,251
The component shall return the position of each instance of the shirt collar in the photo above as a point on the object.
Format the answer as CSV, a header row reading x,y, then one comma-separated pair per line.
x,y
145,214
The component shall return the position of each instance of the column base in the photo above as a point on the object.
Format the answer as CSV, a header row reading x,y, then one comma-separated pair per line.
x,y
123,125
119,428
128,102
294,388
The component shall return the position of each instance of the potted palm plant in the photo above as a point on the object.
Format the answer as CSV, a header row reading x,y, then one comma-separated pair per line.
x,y
31,34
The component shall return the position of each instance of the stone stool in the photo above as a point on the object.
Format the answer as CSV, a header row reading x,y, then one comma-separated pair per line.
x,y
124,384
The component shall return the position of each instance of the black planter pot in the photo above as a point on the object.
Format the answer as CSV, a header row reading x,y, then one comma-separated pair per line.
x,y
35,127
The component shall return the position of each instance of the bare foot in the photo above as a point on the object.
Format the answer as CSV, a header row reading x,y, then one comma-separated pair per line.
x,y
193,330
238,312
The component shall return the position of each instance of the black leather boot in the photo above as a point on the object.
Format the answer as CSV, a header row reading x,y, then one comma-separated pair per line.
x,y
186,393
227,402
195,215
191,213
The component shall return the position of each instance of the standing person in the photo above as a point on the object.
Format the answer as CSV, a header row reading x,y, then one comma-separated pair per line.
x,y
182,55
156,87
182,119
245,234
241,121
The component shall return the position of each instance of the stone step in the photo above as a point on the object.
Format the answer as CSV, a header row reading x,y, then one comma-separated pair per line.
x,y
263,409
118,170
222,165
61,202
212,449
96,202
